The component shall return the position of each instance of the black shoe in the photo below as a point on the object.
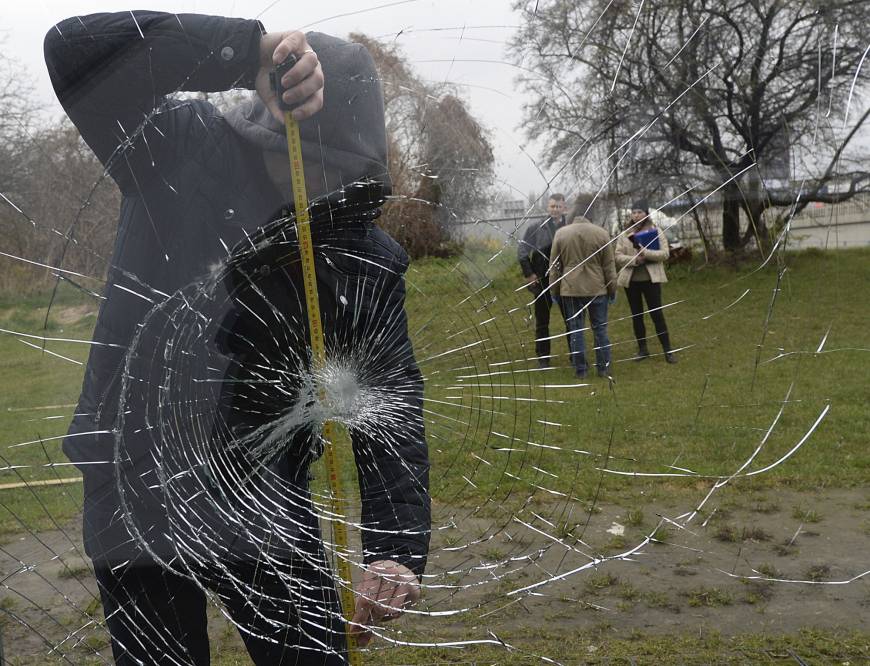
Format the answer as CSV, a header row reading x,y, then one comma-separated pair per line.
x,y
580,374
670,358
642,352
544,364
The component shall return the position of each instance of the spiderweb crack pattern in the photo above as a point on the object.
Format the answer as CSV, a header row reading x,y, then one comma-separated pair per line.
x,y
559,504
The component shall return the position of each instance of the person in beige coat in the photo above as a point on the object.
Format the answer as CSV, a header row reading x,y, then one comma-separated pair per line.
x,y
642,273
583,276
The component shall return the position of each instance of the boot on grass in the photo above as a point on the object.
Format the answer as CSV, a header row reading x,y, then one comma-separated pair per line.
x,y
642,351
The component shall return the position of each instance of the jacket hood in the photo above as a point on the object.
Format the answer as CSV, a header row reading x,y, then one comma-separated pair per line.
x,y
344,142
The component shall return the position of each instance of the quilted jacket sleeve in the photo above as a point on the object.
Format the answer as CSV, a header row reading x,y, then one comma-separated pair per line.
x,y
113,71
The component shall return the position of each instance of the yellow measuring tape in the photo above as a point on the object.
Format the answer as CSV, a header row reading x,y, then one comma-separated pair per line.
x,y
318,357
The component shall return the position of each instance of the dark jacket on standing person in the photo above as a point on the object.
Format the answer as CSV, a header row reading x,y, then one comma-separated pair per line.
x,y
533,250
195,190
582,261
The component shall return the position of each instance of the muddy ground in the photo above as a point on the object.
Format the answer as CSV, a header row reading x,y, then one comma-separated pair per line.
x,y
679,584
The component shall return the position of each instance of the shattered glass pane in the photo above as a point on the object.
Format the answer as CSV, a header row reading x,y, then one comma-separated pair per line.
x,y
168,427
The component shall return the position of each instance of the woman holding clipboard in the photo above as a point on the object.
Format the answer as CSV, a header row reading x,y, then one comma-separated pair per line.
x,y
641,252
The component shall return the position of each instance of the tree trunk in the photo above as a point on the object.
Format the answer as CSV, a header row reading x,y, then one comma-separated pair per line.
x,y
756,228
699,227
731,217
708,247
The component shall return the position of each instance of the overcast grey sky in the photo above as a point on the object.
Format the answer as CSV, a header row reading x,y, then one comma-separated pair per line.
x,y
459,41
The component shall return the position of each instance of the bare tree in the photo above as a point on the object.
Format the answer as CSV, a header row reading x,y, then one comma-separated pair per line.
x,y
17,100
728,95
73,201
17,109
440,156
57,205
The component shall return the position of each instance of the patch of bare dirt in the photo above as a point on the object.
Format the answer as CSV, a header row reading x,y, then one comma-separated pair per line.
x,y
772,562
66,316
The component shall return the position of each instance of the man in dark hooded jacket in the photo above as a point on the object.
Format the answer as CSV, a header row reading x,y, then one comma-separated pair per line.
x,y
533,253
199,410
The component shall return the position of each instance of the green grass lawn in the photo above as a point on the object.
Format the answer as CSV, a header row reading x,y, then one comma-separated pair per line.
x,y
806,647
38,390
491,421
745,352
764,352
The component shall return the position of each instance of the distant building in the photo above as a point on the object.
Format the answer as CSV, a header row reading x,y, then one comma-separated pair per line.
x,y
515,208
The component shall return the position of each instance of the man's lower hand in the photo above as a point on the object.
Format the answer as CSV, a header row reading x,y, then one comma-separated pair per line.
x,y
385,590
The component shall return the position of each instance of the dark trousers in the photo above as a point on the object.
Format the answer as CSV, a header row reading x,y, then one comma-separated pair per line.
x,y
156,617
542,305
636,293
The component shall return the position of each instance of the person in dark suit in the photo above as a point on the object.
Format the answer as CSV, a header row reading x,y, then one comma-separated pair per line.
x,y
533,253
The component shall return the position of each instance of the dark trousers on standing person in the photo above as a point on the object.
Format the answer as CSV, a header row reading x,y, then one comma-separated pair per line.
x,y
542,306
156,617
287,611
575,309
651,292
